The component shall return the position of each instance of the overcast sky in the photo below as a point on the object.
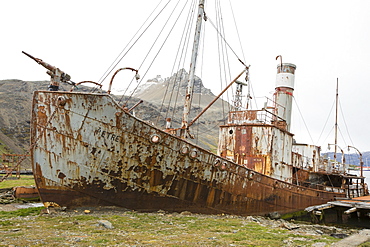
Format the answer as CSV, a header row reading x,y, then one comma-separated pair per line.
x,y
326,40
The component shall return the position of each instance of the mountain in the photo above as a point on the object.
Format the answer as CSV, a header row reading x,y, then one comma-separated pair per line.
x,y
161,91
352,159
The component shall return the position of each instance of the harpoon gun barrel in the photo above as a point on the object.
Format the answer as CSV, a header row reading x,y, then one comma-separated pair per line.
x,y
56,74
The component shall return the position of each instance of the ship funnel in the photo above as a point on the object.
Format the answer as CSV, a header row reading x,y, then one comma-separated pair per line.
x,y
284,93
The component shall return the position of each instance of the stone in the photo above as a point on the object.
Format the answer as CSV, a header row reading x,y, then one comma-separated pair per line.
x,y
106,224
319,244
274,215
339,235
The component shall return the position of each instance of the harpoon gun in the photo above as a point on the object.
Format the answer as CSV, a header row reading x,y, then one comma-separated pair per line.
x,y
56,75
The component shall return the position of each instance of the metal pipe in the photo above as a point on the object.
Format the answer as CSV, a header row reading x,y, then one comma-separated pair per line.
x,y
115,73
215,99
138,103
74,86
335,155
281,61
361,161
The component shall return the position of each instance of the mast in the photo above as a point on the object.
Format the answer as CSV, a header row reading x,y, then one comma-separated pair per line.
x,y
189,89
336,124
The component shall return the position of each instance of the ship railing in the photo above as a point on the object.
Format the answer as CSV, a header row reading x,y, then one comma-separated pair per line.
x,y
320,186
334,189
356,192
355,189
333,167
253,117
355,186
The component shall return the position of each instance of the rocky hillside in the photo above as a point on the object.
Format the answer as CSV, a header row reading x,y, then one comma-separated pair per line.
x,y
15,109
162,91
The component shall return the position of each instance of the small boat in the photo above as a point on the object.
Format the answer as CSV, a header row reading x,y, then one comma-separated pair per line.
x,y
26,192
89,150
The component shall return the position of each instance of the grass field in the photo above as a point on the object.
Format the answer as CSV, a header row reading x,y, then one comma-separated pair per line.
x,y
10,182
27,228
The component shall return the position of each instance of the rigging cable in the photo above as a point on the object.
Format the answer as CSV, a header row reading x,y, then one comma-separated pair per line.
x,y
185,48
237,30
222,37
219,56
157,52
112,67
200,82
183,43
341,134
345,123
224,54
300,113
331,131
327,120
172,71
250,88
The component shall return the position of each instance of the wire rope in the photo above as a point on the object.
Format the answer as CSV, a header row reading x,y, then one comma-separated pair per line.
x,y
182,40
157,52
112,66
237,30
327,120
224,55
300,113
219,54
200,82
181,61
222,37
345,123
119,60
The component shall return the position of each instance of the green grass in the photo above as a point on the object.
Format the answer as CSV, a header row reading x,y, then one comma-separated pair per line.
x,y
25,180
21,212
28,228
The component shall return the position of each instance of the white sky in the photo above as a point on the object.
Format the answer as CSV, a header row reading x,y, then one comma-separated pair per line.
x,y
326,39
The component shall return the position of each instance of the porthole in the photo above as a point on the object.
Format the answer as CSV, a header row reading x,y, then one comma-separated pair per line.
x,y
184,150
224,166
193,154
61,100
231,132
155,138
217,162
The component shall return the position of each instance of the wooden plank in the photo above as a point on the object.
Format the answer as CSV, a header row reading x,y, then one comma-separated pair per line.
x,y
351,210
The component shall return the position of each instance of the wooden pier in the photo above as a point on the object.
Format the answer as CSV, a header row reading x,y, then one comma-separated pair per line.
x,y
351,211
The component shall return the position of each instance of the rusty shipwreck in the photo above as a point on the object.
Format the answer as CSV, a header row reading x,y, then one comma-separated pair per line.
x,y
88,150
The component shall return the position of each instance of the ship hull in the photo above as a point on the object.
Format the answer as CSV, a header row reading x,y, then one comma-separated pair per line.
x,y
87,151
